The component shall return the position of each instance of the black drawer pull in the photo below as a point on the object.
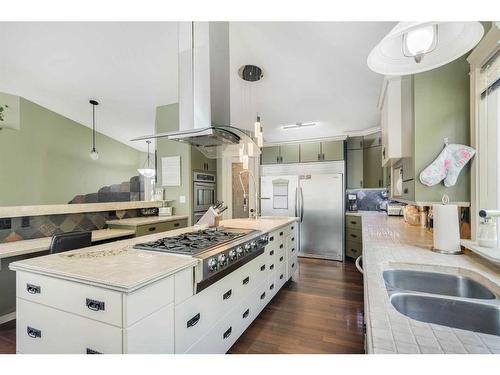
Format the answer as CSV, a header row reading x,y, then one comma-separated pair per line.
x,y
281,277
281,233
263,295
92,351
227,295
281,259
227,333
281,246
293,265
263,267
271,238
271,267
33,289
33,332
293,238
271,252
193,321
152,229
94,305
353,222
246,313
177,224
353,235
271,287
291,228
354,250
246,280
293,249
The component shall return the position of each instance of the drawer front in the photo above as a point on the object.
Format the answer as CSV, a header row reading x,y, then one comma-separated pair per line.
x,y
293,266
353,235
271,252
148,299
44,330
281,257
153,334
195,316
92,302
144,230
177,224
353,249
281,276
353,222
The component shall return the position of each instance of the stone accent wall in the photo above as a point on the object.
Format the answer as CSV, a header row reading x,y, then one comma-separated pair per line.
x,y
132,190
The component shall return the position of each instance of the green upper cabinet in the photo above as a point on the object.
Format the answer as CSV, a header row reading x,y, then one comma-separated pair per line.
x,y
310,151
372,167
354,143
372,140
270,154
332,150
354,166
289,153
200,162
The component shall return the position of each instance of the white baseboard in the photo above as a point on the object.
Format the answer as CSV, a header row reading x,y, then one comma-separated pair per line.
x,y
7,317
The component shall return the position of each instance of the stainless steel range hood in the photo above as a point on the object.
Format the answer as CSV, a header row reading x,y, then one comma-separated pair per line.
x,y
204,91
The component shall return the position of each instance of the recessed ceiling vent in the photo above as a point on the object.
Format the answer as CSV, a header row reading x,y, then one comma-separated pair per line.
x,y
250,73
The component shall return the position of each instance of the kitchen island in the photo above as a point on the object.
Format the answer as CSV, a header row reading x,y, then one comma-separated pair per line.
x,y
390,243
113,298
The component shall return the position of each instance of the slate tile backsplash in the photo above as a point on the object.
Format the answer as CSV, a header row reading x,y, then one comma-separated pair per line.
x,y
369,199
47,226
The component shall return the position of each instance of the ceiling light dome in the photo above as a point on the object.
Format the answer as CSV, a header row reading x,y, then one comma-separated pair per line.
x,y
415,47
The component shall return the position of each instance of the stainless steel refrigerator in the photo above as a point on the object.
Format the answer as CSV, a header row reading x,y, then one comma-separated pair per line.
x,y
315,194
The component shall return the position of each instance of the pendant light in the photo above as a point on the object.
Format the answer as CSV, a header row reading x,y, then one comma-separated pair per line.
x,y
415,47
147,172
258,133
94,155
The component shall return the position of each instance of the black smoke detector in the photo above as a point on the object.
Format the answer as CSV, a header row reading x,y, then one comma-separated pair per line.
x,y
250,73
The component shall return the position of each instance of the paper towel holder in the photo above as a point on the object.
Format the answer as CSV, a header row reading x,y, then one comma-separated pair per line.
x,y
446,200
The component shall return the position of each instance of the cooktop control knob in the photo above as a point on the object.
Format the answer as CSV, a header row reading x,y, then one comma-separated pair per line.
x,y
253,244
232,255
239,251
212,264
222,260
263,238
247,247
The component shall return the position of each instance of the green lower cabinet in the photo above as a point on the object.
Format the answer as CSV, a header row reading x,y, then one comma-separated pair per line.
x,y
289,153
332,150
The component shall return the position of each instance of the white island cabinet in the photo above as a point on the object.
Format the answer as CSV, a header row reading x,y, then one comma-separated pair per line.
x,y
115,299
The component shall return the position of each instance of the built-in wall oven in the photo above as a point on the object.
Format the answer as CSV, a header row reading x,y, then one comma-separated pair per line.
x,y
204,193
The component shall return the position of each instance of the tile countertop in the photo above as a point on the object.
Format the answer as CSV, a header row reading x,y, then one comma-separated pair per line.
x,y
388,242
117,266
11,249
144,220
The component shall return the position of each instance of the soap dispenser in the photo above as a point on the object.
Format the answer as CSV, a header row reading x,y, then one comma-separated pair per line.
x,y
487,233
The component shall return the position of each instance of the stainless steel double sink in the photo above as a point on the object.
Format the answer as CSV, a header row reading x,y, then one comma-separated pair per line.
x,y
449,300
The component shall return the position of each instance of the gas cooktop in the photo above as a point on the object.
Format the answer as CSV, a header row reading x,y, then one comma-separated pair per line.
x,y
193,243
221,250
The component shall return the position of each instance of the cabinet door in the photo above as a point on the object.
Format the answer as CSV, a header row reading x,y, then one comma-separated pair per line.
x,y
198,160
289,153
270,154
211,164
354,169
372,140
332,150
310,151
372,167
354,143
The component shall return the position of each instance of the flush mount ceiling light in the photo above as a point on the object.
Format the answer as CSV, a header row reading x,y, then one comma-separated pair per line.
x,y
147,172
250,73
415,47
94,155
298,125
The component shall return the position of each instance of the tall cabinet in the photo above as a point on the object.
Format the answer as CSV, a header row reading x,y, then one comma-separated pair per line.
x,y
364,162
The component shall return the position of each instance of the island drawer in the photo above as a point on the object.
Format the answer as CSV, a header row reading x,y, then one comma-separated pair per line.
x,y
352,221
197,314
45,330
353,235
100,304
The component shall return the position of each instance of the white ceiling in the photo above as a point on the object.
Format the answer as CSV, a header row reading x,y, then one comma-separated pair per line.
x,y
313,72
130,68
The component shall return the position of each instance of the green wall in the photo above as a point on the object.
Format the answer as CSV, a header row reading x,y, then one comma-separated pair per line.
x,y
167,120
441,110
47,161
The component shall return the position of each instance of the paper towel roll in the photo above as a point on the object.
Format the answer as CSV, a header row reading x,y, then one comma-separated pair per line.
x,y
446,228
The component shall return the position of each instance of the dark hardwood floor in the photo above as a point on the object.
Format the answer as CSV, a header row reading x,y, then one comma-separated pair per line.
x,y
320,313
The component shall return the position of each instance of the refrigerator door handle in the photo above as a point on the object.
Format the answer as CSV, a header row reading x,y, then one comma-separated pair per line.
x,y
301,205
296,196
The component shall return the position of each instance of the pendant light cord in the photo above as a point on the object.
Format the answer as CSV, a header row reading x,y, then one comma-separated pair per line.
x,y
93,127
